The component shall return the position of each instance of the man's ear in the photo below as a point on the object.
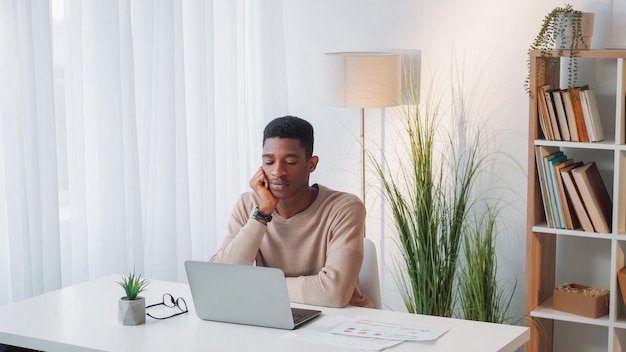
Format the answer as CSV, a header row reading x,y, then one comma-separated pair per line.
x,y
313,162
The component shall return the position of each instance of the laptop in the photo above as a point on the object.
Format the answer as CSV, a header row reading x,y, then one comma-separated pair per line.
x,y
244,294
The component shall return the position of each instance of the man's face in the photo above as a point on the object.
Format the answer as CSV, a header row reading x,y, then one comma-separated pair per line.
x,y
286,166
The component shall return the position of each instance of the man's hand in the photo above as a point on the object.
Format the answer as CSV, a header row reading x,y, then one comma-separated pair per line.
x,y
260,185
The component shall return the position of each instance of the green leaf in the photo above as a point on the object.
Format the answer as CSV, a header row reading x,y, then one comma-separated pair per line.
x,y
133,285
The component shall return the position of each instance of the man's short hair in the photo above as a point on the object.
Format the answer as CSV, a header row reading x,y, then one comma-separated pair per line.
x,y
291,127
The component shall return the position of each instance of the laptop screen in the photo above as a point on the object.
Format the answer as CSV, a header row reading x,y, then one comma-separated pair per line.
x,y
241,294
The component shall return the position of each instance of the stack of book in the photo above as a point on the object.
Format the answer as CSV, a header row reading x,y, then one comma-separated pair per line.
x,y
569,114
573,192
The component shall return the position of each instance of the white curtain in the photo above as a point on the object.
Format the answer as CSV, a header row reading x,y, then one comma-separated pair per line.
x,y
129,128
29,213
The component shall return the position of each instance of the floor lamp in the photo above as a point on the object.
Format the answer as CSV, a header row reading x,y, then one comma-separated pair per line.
x,y
364,80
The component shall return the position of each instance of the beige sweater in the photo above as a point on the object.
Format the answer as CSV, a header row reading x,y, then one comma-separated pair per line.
x,y
320,249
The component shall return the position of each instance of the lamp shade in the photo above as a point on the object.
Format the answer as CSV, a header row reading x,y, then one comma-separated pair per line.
x,y
364,79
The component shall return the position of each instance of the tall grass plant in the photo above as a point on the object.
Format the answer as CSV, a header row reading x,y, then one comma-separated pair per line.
x,y
430,196
481,296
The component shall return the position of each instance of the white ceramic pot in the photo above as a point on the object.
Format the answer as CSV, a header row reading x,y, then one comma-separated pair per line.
x,y
131,312
587,23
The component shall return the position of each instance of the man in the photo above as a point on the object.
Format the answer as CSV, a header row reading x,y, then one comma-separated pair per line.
x,y
313,233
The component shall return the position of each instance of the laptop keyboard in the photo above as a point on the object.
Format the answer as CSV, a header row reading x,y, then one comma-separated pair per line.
x,y
297,318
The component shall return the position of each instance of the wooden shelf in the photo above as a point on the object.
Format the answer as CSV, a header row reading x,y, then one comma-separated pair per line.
x,y
588,258
545,310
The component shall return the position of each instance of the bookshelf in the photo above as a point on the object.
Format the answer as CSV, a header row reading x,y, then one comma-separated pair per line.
x,y
556,256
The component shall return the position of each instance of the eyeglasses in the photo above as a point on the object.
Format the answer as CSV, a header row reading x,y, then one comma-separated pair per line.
x,y
170,302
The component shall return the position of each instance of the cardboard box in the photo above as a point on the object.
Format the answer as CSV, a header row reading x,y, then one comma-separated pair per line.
x,y
575,299
621,278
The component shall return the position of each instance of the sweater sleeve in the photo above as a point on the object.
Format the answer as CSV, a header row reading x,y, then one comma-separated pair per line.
x,y
244,237
336,284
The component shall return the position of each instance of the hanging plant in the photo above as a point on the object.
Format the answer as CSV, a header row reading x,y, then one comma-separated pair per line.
x,y
561,30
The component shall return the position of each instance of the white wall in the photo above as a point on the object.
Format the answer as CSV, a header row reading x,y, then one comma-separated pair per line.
x,y
488,39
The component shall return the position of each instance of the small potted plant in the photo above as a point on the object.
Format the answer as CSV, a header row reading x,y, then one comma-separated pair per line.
x,y
562,29
132,307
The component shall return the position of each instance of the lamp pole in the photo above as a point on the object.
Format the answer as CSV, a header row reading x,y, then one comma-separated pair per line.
x,y
363,155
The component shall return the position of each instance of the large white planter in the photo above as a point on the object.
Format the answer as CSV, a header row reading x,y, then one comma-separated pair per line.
x,y
131,312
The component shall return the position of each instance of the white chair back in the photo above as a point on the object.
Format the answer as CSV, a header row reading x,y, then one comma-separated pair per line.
x,y
368,276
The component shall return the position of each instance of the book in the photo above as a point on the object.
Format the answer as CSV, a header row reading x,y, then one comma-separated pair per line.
x,y
551,161
574,199
559,110
569,113
586,114
592,115
594,195
578,114
542,123
551,113
544,116
565,205
540,153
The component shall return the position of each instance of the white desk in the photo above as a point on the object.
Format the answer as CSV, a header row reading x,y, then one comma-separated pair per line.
x,y
84,318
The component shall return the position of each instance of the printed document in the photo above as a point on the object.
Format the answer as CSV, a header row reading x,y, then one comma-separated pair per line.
x,y
363,326
366,333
